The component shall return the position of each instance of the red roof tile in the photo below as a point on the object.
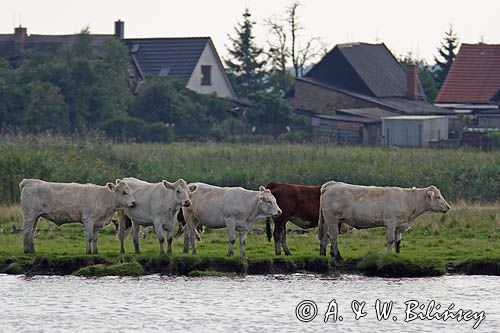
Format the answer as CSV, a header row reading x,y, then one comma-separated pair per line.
x,y
474,76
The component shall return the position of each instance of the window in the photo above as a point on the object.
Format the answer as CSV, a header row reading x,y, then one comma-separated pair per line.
x,y
206,75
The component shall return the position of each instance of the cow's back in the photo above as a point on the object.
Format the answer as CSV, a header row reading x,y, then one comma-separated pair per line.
x,y
61,202
364,206
297,201
212,203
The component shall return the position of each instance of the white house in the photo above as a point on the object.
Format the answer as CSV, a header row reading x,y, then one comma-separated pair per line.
x,y
193,60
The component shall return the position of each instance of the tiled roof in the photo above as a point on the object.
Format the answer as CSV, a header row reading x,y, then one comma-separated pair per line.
x,y
167,56
474,76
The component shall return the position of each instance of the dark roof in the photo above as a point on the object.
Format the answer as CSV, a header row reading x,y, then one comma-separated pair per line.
x,y
474,76
46,42
496,97
371,113
351,119
398,104
168,56
369,69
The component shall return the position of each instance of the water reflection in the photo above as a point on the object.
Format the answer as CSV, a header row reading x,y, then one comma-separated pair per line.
x,y
64,303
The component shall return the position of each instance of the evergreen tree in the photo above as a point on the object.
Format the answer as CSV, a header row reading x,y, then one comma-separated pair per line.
x,y
246,70
447,54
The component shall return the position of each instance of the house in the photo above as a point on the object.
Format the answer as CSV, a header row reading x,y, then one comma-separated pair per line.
x,y
192,60
359,76
472,86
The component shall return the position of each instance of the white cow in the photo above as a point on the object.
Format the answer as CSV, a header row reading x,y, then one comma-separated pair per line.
x,y
234,208
92,205
369,206
157,205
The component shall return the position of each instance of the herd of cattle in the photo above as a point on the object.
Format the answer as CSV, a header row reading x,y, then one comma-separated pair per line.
x,y
333,207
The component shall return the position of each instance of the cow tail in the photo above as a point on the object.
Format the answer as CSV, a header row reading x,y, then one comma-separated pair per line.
x,y
321,222
268,229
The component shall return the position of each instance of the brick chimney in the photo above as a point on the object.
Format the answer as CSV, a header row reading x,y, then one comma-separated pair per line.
x,y
119,29
412,82
20,35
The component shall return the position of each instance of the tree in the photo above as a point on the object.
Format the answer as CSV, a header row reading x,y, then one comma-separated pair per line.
x,y
446,55
425,75
246,70
278,53
284,47
272,113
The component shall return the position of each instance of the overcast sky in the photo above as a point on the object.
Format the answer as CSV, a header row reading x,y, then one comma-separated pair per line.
x,y
416,26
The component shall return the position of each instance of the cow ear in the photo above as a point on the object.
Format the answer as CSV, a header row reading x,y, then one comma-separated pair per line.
x,y
192,188
168,185
111,186
262,188
431,194
118,181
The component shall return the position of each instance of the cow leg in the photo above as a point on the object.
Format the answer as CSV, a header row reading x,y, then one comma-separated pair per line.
x,y
279,230
161,238
243,238
29,227
399,235
284,244
190,225
136,228
333,234
170,237
231,235
390,234
95,235
121,230
89,234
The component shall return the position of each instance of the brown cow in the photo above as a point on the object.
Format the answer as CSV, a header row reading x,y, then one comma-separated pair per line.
x,y
300,205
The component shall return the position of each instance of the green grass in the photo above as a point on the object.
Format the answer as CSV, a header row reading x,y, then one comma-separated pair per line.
x,y
465,240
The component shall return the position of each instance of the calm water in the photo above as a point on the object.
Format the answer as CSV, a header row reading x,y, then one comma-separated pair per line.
x,y
268,303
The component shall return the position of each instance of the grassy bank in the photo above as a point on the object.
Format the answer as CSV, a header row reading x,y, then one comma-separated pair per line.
x,y
470,175
465,240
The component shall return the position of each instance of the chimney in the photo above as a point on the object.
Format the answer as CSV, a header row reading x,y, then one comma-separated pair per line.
x,y
20,35
412,82
119,29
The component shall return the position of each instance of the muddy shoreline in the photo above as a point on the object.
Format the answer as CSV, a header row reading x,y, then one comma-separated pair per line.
x,y
197,266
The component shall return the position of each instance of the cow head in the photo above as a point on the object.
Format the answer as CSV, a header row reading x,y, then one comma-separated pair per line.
x,y
123,194
181,191
267,203
435,200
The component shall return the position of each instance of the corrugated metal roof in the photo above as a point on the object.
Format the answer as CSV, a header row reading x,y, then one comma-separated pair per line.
x,y
474,76
177,56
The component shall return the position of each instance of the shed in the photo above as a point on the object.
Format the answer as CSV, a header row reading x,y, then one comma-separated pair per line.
x,y
414,131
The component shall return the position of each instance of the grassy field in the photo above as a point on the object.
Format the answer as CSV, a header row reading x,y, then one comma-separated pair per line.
x,y
463,174
465,240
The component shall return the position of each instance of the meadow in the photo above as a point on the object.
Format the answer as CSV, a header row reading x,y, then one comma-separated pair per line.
x,y
465,240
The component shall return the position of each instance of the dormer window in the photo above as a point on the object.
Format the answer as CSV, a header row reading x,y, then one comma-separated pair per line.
x,y
206,75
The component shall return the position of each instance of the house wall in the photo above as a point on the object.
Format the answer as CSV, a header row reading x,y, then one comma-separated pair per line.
x,y
308,96
220,84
